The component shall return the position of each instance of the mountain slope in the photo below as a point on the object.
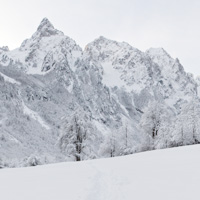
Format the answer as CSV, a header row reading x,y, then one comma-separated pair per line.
x,y
164,174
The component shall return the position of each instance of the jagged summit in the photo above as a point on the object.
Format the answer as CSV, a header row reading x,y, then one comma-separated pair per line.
x,y
157,51
43,51
46,29
107,48
45,23
103,41
99,42
161,57
4,48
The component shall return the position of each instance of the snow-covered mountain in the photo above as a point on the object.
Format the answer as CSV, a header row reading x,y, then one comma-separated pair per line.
x,y
44,50
154,72
59,102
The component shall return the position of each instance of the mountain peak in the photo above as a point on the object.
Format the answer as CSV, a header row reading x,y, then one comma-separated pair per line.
x,y
46,29
102,39
157,52
45,23
4,48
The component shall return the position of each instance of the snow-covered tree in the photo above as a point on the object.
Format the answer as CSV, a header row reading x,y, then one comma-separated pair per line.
x,y
1,163
125,135
109,145
117,143
33,161
78,137
187,125
155,122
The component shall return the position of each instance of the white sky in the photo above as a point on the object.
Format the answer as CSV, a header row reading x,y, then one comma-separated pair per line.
x,y
171,24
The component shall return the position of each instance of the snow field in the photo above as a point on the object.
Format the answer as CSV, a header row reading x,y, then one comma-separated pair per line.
x,y
171,174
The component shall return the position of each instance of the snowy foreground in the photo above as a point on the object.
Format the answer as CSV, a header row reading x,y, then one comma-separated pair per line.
x,y
170,174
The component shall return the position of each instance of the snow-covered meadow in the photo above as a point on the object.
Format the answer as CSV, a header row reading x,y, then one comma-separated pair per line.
x,y
171,174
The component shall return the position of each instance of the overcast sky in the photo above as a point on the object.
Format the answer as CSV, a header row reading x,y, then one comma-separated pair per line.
x,y
171,24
